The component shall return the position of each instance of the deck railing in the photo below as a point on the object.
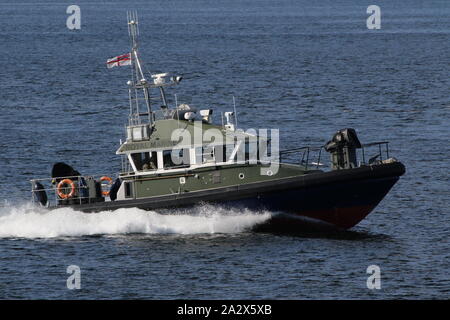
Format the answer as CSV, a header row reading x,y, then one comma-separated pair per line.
x,y
303,155
310,157
80,193
382,148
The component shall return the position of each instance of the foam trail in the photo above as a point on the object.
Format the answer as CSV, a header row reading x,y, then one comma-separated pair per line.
x,y
27,221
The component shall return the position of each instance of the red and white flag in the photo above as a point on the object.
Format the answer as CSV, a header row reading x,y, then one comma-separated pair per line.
x,y
123,60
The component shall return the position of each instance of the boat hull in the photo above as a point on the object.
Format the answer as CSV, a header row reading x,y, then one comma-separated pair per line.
x,y
341,198
342,204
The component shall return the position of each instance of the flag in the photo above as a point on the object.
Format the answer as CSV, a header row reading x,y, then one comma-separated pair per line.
x,y
123,60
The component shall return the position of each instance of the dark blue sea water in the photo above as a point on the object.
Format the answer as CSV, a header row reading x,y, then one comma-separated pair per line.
x,y
308,68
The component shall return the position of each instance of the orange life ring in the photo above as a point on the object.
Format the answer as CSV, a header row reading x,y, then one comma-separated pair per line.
x,y
60,188
105,178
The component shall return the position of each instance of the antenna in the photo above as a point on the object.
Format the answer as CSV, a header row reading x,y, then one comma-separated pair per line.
x,y
133,27
137,22
178,114
128,23
235,113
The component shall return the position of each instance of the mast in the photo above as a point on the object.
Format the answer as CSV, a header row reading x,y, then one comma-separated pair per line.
x,y
140,82
138,78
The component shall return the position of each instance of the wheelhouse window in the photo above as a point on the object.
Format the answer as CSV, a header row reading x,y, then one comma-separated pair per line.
x,y
214,154
205,155
251,152
176,158
128,190
244,152
145,161
220,153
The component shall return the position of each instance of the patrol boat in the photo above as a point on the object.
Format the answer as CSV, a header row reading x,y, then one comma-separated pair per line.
x,y
176,157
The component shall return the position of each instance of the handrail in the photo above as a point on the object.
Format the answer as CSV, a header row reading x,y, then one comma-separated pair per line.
x,y
306,153
68,177
380,152
374,143
52,191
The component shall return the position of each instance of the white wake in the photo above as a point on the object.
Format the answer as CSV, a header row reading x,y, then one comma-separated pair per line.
x,y
27,221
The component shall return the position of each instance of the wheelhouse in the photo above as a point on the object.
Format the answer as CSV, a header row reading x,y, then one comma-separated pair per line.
x,y
158,156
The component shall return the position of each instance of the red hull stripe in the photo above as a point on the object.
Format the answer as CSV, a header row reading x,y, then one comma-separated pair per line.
x,y
345,218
